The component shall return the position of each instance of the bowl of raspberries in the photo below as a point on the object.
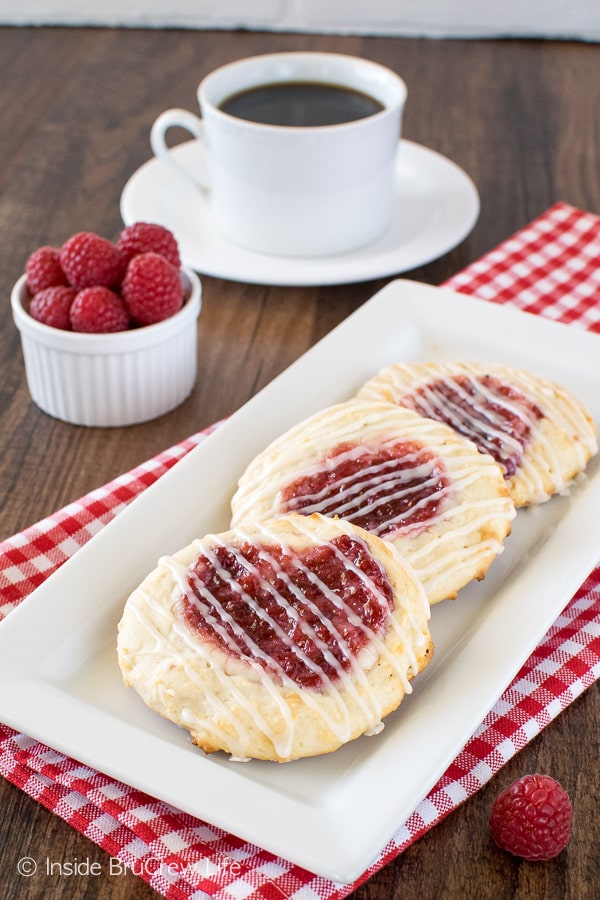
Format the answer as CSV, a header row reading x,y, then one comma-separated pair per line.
x,y
109,328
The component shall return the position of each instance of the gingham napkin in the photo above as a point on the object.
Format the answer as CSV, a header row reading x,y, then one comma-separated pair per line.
x,y
552,268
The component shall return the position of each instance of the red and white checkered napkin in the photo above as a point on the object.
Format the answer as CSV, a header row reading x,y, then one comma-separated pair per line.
x,y
551,268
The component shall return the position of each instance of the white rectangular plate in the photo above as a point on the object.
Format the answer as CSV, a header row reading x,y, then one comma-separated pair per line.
x,y
59,679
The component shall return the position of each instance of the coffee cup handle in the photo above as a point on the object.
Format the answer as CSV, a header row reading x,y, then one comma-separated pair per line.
x,y
180,118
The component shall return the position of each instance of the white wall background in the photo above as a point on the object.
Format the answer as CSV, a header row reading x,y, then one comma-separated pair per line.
x,y
562,19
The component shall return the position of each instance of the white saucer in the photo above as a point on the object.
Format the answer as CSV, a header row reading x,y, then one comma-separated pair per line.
x,y
436,206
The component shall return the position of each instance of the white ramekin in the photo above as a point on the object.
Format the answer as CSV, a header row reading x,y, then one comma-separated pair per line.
x,y
110,379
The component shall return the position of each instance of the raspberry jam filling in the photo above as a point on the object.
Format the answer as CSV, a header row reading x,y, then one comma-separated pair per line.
x,y
306,613
384,489
496,416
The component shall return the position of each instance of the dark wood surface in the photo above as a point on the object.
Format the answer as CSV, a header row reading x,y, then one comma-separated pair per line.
x,y
76,106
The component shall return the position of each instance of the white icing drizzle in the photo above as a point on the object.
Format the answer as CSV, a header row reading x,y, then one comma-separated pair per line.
x,y
330,703
165,648
341,675
359,428
357,493
372,637
279,467
537,453
357,497
251,651
487,425
281,741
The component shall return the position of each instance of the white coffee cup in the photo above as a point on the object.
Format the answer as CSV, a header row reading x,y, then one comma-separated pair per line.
x,y
293,190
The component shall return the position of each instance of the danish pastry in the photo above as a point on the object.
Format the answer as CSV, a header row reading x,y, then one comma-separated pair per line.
x,y
408,479
537,431
277,640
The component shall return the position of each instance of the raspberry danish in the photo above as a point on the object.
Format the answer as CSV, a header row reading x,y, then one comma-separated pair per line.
x,y
538,432
277,640
409,480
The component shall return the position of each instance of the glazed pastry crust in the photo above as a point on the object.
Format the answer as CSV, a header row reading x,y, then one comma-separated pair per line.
x,y
449,551
235,706
562,441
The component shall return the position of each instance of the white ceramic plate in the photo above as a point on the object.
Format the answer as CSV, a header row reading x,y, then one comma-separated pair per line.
x,y
59,679
435,207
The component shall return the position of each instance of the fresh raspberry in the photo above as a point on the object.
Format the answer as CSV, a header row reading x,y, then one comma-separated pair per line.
x,y
143,237
532,818
98,309
52,305
88,259
43,269
152,288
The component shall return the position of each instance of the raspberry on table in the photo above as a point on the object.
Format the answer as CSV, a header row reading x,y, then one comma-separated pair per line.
x,y
143,237
52,305
532,818
98,310
88,259
152,288
43,269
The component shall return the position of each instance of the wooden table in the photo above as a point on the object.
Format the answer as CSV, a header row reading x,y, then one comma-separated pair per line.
x,y
520,117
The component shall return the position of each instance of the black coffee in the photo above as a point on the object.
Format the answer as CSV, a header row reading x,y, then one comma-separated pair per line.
x,y
300,104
